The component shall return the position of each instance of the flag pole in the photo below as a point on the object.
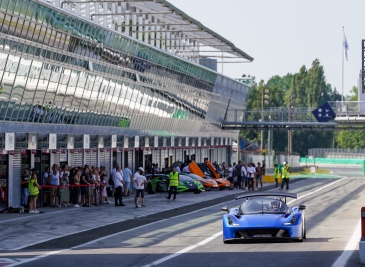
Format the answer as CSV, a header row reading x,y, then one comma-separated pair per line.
x,y
343,55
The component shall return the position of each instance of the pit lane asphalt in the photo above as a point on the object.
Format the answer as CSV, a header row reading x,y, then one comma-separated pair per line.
x,y
332,215
87,236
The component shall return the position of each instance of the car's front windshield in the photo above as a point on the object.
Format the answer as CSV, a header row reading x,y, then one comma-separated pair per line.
x,y
263,205
194,176
184,178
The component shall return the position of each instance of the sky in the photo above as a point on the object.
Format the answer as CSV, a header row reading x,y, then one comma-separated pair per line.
x,y
283,35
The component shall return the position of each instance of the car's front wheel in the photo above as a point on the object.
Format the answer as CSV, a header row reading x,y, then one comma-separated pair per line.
x,y
303,236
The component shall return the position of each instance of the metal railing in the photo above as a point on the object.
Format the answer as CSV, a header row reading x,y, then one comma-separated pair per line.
x,y
348,108
271,115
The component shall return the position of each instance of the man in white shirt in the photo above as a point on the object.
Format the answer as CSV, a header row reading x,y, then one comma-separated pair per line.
x,y
244,176
186,169
118,185
250,176
114,170
139,181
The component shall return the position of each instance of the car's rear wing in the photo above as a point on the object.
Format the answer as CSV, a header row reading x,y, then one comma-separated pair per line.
x,y
266,194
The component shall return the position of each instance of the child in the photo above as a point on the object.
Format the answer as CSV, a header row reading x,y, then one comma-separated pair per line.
x,y
104,195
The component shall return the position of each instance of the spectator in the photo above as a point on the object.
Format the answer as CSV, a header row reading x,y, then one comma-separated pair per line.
x,y
118,185
45,190
54,179
258,176
127,179
239,174
85,182
139,181
64,191
157,169
215,165
186,168
149,168
230,176
24,185
103,181
244,176
250,176
153,171
263,167
96,182
178,167
76,189
33,188
114,170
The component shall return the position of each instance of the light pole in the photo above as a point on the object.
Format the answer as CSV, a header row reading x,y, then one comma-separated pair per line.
x,y
264,101
269,146
290,134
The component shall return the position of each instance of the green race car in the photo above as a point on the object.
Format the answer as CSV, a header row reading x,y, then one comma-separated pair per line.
x,y
160,183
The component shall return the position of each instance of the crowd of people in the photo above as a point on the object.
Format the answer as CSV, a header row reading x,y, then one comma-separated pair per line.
x,y
88,186
249,177
80,186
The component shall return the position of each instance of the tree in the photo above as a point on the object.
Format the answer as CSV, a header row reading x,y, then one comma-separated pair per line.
x,y
310,91
351,139
354,94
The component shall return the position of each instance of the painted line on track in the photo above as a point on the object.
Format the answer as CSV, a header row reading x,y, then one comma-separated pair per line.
x,y
201,243
319,189
109,236
205,241
149,224
349,249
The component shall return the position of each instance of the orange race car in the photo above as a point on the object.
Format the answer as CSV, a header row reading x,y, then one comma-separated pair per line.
x,y
198,170
208,183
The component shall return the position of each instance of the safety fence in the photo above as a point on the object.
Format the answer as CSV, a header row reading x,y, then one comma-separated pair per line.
x,y
336,153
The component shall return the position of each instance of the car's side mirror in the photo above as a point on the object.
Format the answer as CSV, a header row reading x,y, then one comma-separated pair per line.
x,y
302,207
225,209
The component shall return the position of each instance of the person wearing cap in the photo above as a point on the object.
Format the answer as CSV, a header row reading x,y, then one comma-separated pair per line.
x,y
285,176
139,181
174,183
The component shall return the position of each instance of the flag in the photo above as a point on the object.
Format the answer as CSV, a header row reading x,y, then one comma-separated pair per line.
x,y
345,45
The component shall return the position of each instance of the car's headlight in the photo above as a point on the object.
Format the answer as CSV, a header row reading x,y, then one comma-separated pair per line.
x,y
230,222
292,221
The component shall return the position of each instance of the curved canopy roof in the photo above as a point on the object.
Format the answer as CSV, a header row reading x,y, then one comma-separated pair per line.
x,y
178,21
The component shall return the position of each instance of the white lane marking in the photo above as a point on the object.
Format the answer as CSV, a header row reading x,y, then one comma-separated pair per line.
x,y
201,243
319,189
149,224
109,236
349,249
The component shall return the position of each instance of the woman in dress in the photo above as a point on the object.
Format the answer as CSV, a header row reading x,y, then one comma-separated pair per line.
x,y
65,192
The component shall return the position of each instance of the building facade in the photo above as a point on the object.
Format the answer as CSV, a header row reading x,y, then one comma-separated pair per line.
x,y
76,91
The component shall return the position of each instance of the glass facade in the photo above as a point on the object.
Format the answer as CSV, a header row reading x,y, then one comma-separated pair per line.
x,y
59,68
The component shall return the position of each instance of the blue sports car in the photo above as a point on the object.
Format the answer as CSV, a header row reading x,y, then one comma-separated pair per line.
x,y
264,216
